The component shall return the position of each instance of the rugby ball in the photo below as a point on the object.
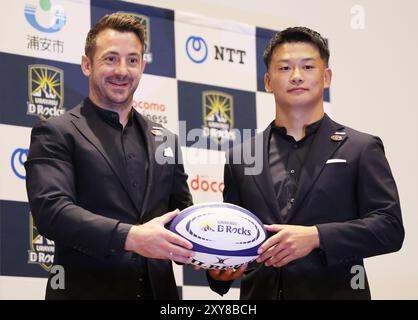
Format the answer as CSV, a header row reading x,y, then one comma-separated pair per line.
x,y
223,235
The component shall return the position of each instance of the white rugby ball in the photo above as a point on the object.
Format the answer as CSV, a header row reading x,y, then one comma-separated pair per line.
x,y
223,235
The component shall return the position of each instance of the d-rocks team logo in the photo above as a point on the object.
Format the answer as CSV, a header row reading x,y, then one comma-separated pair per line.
x,y
41,249
48,19
144,20
218,116
46,94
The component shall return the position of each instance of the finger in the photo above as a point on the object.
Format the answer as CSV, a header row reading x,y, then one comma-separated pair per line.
x,y
180,259
274,227
284,261
270,242
238,272
226,275
272,251
275,259
220,275
195,267
214,274
166,218
180,251
232,274
178,240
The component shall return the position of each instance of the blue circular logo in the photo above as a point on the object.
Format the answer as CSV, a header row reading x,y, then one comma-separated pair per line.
x,y
18,159
58,16
196,49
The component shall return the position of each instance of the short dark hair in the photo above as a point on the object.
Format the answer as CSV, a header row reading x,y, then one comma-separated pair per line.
x,y
297,34
119,21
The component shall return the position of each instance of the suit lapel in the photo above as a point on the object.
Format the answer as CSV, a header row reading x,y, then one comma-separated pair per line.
x,y
87,122
152,174
264,180
322,148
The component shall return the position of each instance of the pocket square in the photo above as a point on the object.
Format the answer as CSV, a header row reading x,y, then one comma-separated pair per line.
x,y
336,161
168,152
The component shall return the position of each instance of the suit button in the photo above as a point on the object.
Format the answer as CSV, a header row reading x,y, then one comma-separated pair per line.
x,y
135,184
141,279
138,296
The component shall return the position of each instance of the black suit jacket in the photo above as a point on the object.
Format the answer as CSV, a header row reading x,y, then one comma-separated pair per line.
x,y
79,197
354,205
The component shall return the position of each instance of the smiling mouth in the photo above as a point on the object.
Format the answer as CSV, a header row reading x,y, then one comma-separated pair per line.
x,y
117,84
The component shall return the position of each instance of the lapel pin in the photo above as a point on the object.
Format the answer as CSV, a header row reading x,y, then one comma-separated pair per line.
x,y
336,137
156,131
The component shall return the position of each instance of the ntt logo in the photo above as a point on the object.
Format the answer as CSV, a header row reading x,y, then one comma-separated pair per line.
x,y
17,162
200,183
196,49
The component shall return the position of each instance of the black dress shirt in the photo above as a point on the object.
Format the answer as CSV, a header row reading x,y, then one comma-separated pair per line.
x,y
286,160
130,148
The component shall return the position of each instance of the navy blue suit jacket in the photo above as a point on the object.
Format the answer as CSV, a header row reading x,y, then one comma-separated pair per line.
x,y
354,204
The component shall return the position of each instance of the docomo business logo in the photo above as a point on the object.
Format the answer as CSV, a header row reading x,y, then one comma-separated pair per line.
x,y
203,183
153,111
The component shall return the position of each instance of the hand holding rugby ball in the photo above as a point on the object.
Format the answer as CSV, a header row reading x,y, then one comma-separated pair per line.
x,y
223,235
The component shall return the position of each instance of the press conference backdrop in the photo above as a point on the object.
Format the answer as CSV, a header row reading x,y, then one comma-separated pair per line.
x,y
202,72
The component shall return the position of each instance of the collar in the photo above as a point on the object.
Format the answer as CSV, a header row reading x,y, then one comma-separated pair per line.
x,y
111,117
309,130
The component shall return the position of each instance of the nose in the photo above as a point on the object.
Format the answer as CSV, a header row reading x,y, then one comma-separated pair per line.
x,y
296,77
121,69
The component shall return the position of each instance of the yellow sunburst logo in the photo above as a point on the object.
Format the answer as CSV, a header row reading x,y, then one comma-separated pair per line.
x,y
218,114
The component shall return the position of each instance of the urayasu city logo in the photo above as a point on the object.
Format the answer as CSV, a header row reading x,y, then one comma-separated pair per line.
x,y
41,249
46,94
45,17
17,162
218,116
145,21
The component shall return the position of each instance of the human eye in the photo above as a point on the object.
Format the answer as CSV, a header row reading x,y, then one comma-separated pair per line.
x,y
109,59
309,67
133,60
284,68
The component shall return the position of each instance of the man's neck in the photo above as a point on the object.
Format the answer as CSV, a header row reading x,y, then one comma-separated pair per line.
x,y
122,110
295,120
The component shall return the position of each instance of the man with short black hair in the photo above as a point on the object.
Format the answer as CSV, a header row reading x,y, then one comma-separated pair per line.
x,y
326,192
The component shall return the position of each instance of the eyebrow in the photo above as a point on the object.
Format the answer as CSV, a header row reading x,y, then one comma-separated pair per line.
x,y
117,53
287,60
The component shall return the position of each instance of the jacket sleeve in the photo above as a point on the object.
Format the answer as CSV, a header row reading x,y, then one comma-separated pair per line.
x,y
379,228
50,183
